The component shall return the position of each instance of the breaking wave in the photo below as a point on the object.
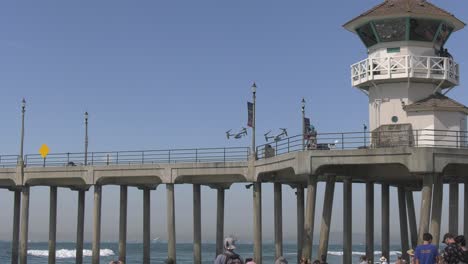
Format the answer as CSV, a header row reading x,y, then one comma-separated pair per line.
x,y
358,253
69,253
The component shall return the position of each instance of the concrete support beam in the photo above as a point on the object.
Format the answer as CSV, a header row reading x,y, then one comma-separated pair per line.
x,y
52,224
80,226
197,250
16,227
278,219
347,220
171,243
257,217
437,201
220,221
426,199
370,221
413,227
326,217
310,217
465,209
123,224
97,224
146,226
385,220
453,208
403,222
24,225
300,220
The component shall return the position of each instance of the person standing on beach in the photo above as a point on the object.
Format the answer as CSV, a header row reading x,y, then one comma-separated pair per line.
x,y
427,252
229,256
453,254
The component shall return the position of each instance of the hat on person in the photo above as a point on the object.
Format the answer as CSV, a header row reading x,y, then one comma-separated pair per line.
x,y
446,236
410,252
382,259
230,243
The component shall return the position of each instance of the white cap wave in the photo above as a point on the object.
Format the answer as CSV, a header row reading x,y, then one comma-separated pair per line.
x,y
69,253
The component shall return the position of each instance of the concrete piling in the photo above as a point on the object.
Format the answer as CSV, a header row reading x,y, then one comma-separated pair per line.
x,y
97,224
436,216
146,225
80,226
171,243
370,221
123,223
52,224
310,217
300,219
347,220
453,208
278,219
257,216
219,221
412,219
24,225
403,222
16,227
386,220
326,217
426,199
197,250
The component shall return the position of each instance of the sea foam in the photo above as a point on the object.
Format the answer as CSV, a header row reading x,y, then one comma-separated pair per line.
x,y
69,253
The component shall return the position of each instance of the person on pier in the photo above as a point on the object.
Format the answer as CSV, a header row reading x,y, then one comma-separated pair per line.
x,y
453,253
426,253
229,256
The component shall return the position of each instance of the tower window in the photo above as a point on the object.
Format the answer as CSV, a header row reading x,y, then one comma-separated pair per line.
x,y
391,29
444,33
367,35
394,119
423,29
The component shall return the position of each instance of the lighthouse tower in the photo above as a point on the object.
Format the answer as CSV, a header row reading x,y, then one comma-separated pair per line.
x,y
408,71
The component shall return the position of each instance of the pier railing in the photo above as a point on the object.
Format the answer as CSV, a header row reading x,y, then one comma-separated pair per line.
x,y
366,140
140,157
322,141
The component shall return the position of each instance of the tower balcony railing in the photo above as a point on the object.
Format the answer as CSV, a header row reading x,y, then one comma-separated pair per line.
x,y
409,66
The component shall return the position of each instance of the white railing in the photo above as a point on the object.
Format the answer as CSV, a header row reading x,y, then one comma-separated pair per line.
x,y
397,67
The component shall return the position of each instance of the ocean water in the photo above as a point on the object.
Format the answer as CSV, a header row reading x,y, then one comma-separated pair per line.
x,y
37,252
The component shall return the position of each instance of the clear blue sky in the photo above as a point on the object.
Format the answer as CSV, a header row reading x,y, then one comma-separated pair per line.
x,y
173,74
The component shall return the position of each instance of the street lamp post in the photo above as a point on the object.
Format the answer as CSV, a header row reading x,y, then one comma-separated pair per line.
x,y
303,122
86,139
23,110
254,97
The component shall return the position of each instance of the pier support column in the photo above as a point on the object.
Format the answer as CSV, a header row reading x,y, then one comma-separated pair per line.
x,y
465,209
426,199
326,217
197,251
220,221
347,220
52,224
146,225
24,225
403,222
123,224
310,217
80,226
257,216
437,200
370,221
385,221
278,219
16,227
171,243
453,208
300,220
97,224
412,219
